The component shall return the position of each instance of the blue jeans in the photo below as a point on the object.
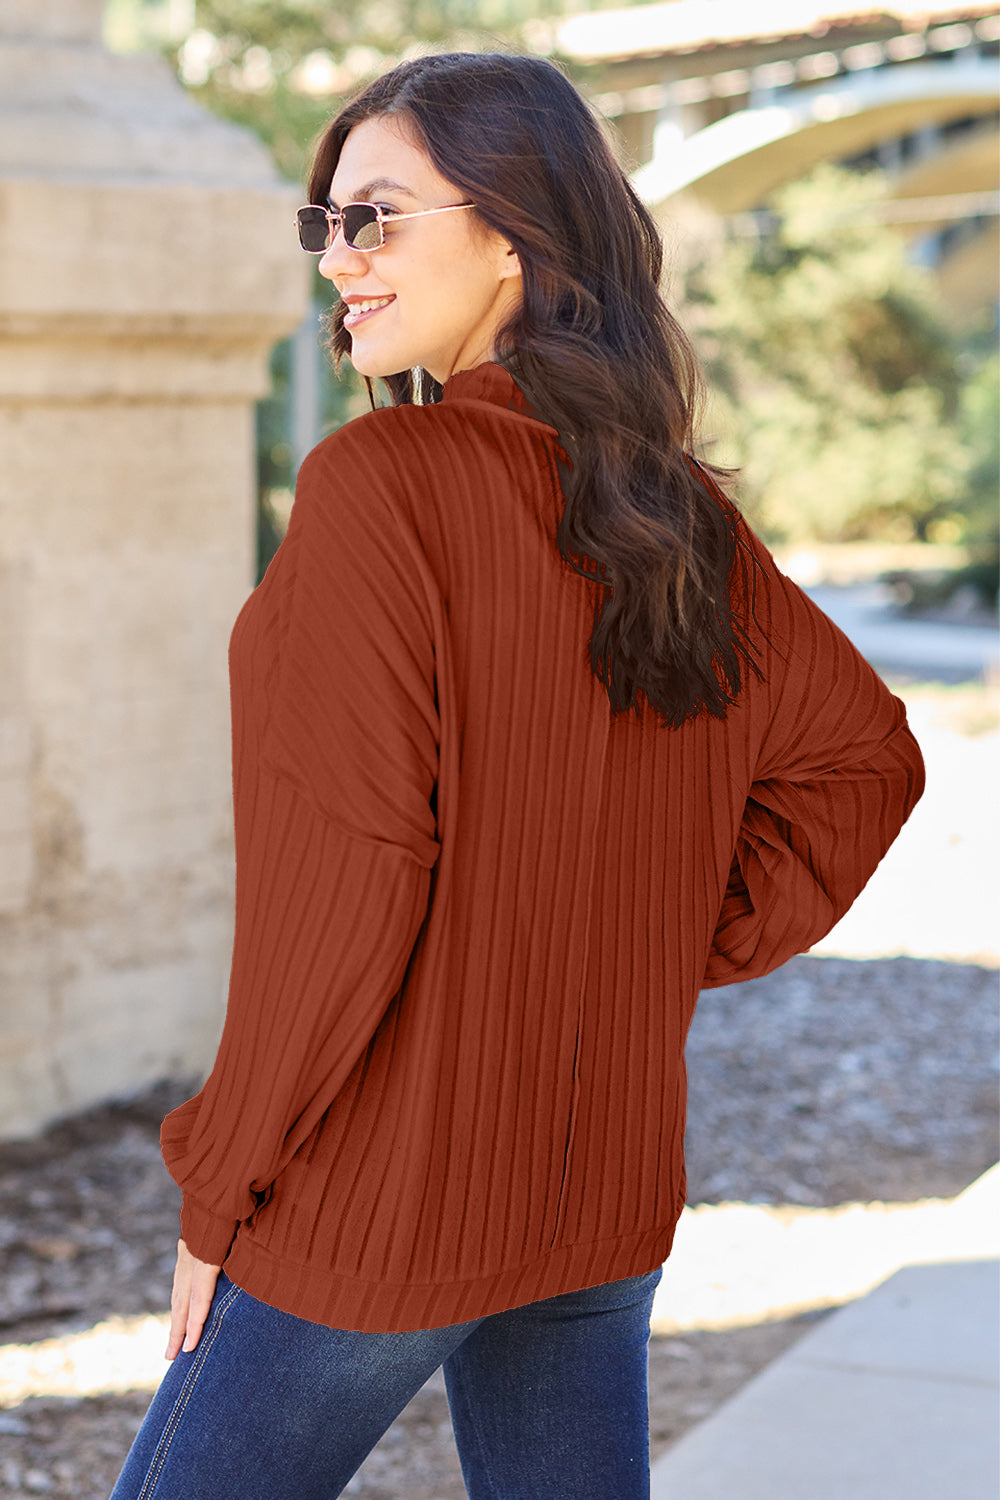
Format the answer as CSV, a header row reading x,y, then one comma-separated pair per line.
x,y
548,1401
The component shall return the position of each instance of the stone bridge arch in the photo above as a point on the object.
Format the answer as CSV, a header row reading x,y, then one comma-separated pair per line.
x,y
735,164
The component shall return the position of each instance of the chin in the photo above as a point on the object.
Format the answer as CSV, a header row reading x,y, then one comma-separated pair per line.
x,y
378,363
369,364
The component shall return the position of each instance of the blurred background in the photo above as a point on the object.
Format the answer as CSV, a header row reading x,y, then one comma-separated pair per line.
x,y
826,178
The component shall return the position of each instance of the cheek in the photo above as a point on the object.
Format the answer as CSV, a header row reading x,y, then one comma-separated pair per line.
x,y
465,292
431,305
448,278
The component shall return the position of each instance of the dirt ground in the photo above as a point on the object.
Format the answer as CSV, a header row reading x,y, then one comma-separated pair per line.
x,y
830,1081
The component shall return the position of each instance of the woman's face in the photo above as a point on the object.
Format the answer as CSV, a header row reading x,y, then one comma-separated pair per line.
x,y
446,283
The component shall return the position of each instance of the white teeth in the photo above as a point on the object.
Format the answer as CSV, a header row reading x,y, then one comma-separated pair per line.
x,y
363,307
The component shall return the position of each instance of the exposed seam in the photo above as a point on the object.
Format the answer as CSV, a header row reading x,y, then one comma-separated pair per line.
x,y
570,1134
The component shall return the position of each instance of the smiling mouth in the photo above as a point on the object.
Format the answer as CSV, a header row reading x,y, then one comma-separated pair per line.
x,y
360,312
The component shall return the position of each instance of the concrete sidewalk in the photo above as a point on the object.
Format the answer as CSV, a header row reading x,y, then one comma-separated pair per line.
x,y
893,1397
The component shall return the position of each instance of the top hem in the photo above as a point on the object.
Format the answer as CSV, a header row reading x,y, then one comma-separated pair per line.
x,y
320,1295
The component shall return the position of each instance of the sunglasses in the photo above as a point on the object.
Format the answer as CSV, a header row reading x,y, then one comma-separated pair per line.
x,y
362,224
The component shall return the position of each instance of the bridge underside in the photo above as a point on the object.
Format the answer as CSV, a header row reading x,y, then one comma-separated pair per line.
x,y
737,164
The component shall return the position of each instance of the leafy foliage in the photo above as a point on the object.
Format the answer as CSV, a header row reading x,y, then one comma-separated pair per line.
x,y
980,430
839,389
283,68
838,385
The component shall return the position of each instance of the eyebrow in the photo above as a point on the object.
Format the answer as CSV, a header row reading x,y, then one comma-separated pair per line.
x,y
377,185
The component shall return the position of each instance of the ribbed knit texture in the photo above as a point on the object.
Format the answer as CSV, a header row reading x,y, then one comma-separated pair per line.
x,y
473,914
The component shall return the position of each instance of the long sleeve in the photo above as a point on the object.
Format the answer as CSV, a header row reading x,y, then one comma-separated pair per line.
x,y
836,776
335,763
474,908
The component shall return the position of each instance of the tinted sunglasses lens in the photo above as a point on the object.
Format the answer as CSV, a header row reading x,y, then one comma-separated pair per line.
x,y
362,229
314,230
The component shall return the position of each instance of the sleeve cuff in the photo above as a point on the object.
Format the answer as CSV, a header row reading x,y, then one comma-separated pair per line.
x,y
207,1236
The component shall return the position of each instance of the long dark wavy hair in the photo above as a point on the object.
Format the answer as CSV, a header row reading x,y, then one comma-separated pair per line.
x,y
598,354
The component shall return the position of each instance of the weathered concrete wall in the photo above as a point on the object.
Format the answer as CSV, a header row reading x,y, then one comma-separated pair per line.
x,y
147,265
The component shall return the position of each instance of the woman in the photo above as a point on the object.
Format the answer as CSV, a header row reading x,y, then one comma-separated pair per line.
x,y
532,742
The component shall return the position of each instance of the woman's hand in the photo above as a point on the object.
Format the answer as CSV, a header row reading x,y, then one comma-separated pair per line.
x,y
194,1287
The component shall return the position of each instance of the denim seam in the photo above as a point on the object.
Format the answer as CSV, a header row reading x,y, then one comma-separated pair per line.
x,y
187,1390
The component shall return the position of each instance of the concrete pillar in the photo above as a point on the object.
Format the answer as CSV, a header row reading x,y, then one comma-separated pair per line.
x,y
147,265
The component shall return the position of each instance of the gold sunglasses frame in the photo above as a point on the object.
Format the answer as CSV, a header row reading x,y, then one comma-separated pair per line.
x,y
336,217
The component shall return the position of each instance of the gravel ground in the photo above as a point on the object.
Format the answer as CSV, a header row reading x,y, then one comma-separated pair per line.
x,y
830,1081
836,1080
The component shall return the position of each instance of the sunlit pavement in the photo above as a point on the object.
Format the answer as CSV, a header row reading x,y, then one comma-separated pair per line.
x,y
122,1354
892,1398
935,895
734,1264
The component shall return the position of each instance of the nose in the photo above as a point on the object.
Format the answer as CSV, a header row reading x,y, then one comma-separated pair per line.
x,y
341,259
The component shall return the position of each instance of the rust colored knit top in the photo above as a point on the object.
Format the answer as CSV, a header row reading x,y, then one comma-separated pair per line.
x,y
473,913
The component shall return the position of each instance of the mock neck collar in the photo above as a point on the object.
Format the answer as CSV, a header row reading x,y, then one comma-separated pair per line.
x,y
488,382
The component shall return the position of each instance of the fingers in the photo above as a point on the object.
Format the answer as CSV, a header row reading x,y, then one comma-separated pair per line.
x,y
190,1300
180,1298
202,1292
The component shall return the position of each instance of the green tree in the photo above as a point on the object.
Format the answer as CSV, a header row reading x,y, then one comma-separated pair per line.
x,y
979,423
837,384
283,68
